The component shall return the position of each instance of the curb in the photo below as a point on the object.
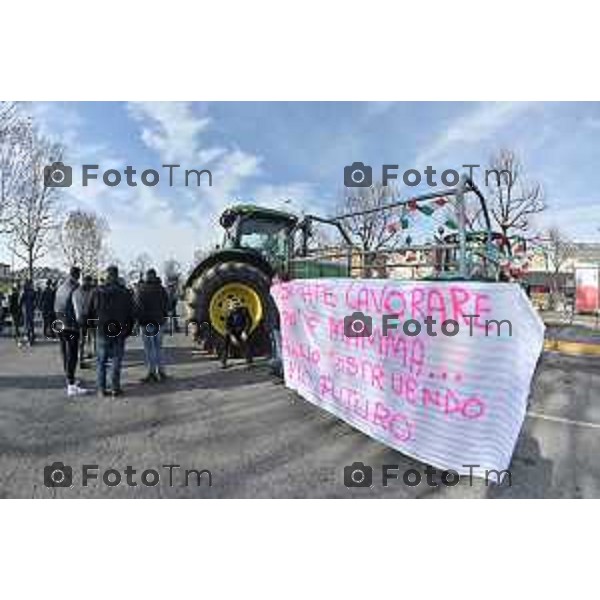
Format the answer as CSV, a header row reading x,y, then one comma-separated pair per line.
x,y
572,348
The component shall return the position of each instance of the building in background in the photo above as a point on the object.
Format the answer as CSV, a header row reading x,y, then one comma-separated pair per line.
x,y
5,277
542,277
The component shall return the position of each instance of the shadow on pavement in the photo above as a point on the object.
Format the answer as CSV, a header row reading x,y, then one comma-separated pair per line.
x,y
236,375
531,473
171,355
32,382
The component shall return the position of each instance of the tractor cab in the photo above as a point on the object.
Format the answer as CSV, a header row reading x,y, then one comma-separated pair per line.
x,y
263,230
286,242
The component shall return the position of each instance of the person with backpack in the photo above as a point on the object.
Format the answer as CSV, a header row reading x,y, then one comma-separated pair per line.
x,y
112,306
67,325
152,308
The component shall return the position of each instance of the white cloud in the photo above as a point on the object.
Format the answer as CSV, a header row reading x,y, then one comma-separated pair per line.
x,y
229,173
55,120
477,125
177,134
163,223
295,197
169,128
148,223
173,131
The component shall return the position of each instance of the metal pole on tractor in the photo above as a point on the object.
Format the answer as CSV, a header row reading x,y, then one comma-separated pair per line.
x,y
465,185
462,227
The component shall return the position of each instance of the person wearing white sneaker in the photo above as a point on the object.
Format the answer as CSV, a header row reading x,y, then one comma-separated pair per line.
x,y
68,331
74,389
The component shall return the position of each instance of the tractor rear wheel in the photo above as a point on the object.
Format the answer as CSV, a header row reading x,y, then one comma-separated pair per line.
x,y
246,285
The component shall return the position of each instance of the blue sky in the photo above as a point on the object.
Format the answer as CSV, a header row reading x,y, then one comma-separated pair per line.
x,y
269,152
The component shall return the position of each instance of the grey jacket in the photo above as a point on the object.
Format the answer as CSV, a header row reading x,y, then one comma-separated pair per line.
x,y
64,305
82,297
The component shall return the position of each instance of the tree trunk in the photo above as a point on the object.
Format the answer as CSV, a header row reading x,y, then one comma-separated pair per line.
x,y
30,263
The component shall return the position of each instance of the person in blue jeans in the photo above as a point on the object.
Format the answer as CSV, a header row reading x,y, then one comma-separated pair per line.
x,y
152,308
152,339
111,307
110,349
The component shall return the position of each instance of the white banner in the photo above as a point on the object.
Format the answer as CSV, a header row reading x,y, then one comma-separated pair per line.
x,y
453,399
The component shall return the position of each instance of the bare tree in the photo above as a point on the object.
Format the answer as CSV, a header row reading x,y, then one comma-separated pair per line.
x,y
375,230
13,159
172,270
83,240
557,249
513,199
32,208
8,114
139,265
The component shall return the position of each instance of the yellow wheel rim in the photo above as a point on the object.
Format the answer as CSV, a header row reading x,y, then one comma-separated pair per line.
x,y
236,292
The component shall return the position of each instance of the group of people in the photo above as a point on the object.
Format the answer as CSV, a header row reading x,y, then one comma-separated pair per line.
x,y
106,314
93,320
21,304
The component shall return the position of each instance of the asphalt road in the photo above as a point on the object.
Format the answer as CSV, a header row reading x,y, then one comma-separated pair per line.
x,y
257,438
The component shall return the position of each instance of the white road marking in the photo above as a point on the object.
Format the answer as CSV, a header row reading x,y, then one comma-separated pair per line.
x,y
563,420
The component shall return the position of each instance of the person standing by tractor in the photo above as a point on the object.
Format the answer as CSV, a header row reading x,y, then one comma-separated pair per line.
x,y
152,308
237,332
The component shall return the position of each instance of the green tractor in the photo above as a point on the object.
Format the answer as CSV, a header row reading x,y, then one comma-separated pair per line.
x,y
259,244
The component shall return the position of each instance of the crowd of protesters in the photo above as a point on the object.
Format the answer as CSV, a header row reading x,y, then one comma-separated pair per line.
x,y
92,320
99,319
21,304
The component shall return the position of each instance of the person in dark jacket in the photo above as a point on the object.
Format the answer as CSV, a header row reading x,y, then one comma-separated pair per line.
x,y
237,331
152,308
112,306
27,304
67,325
82,297
47,308
15,311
